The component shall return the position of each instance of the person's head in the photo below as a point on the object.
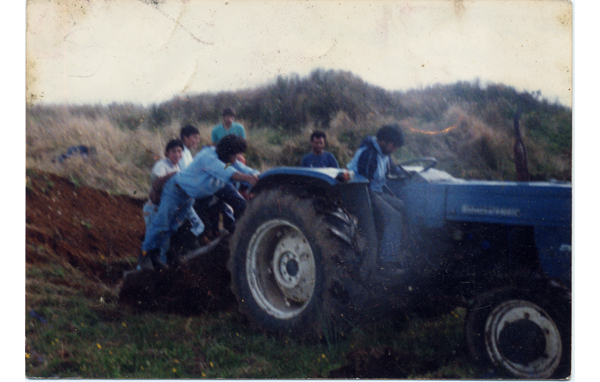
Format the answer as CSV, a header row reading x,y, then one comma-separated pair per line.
x,y
229,147
174,150
390,138
317,142
228,117
190,136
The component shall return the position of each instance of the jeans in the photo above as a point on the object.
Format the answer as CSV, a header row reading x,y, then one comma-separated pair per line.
x,y
388,220
174,208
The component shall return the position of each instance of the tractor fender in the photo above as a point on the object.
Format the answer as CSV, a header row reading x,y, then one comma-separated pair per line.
x,y
314,178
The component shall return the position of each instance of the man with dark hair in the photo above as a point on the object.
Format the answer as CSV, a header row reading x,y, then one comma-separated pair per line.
x,y
227,202
319,157
227,127
372,160
211,170
190,136
161,172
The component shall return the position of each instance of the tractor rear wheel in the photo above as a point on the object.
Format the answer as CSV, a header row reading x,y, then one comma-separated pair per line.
x,y
289,269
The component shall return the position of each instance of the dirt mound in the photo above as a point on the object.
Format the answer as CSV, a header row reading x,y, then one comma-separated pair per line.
x,y
101,234
86,227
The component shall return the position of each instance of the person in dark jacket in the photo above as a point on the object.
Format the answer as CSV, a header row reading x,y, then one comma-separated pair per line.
x,y
319,157
372,160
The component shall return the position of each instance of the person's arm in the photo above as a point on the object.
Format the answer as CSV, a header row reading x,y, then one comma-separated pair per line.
x,y
246,178
333,161
159,169
367,164
242,131
245,169
304,162
157,186
213,135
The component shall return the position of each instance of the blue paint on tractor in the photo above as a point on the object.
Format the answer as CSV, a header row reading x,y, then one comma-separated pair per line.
x,y
435,200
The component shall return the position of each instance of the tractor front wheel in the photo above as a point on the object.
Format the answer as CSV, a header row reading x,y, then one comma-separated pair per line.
x,y
523,333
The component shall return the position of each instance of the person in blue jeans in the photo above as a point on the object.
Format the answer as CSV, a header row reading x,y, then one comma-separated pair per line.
x,y
372,160
319,157
212,169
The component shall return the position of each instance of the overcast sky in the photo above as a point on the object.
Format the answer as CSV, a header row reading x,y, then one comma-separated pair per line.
x,y
147,51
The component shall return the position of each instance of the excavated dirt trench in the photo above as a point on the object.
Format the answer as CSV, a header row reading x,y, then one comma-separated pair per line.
x,y
100,234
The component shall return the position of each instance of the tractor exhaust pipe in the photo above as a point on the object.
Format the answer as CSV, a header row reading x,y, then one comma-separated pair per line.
x,y
520,152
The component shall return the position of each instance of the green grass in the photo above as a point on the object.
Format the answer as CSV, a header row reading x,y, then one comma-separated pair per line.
x,y
89,335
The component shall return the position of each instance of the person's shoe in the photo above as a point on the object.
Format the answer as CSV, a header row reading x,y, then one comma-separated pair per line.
x,y
175,261
154,255
144,262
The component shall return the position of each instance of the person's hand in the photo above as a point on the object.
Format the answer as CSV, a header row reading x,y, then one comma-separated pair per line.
x,y
252,179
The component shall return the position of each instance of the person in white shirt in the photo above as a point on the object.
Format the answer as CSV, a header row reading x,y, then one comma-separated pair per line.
x,y
162,171
190,136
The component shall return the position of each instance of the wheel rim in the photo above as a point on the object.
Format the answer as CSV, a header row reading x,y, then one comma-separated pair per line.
x,y
280,268
521,337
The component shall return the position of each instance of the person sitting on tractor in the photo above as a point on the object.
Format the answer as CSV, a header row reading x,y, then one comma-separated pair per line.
x,y
212,170
319,157
372,160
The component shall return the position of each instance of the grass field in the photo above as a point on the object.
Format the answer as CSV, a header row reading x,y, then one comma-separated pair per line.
x,y
74,334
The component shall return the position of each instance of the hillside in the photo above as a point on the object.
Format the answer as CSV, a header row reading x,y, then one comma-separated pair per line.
x,y
467,126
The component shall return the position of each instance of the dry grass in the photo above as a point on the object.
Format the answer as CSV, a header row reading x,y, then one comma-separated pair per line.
x,y
464,145
123,158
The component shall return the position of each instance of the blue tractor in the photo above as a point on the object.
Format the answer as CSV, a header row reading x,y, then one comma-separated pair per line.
x,y
305,253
